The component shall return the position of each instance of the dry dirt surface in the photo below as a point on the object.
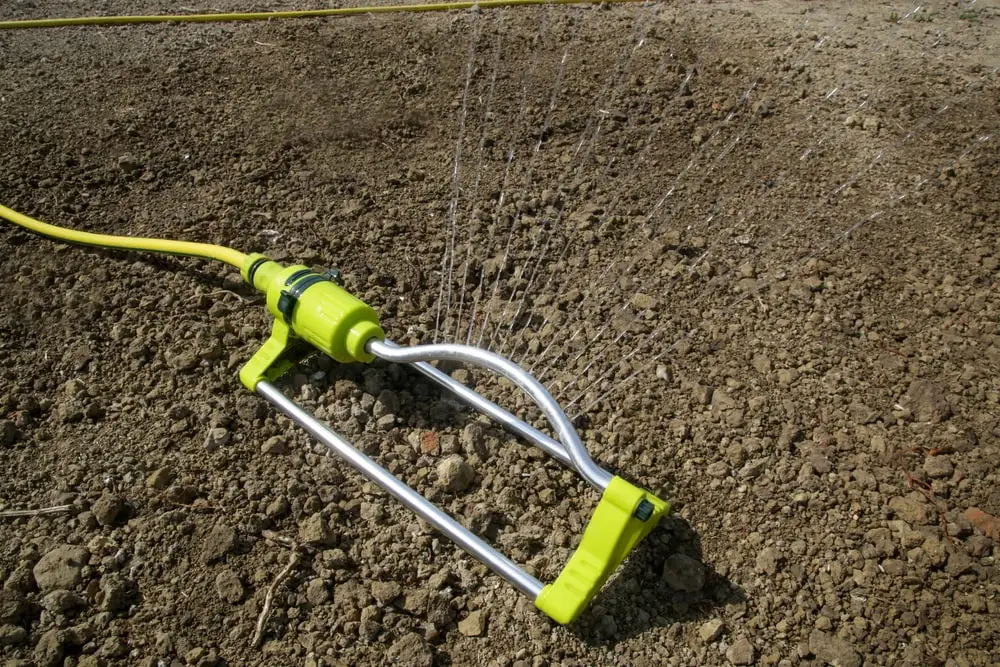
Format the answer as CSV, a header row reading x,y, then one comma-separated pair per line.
x,y
752,247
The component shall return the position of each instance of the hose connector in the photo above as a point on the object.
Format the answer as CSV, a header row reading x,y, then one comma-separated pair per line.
x,y
308,307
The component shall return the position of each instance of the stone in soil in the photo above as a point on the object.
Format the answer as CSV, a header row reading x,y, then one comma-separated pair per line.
x,y
61,567
228,586
107,509
833,650
454,474
711,630
276,445
683,573
742,652
410,649
219,542
927,402
473,625
316,530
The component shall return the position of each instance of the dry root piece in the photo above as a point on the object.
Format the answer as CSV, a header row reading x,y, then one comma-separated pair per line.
x,y
293,560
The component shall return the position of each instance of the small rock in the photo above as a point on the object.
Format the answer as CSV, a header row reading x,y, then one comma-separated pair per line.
x,y
118,593
316,592
217,437
219,542
49,650
277,445
643,301
12,634
454,474
386,591
912,509
229,587
787,376
683,573
160,479
473,625
938,467
768,560
833,650
429,442
753,468
741,652
107,509
61,601
718,469
129,164
863,414
9,434
410,649
871,124
711,630
927,402
316,530
61,567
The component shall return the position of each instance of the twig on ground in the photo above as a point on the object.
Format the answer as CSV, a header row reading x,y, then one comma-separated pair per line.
x,y
58,509
293,560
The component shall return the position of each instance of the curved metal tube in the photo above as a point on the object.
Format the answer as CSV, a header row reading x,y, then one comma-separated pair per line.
x,y
597,476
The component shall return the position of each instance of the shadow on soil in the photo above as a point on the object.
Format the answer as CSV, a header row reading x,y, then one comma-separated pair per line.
x,y
663,582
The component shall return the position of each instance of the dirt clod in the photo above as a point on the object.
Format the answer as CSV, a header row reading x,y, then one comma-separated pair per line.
x,y
61,567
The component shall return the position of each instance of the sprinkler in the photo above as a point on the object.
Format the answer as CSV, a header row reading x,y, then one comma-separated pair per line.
x,y
313,312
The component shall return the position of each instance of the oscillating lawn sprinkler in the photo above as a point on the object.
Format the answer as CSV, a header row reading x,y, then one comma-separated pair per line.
x,y
312,311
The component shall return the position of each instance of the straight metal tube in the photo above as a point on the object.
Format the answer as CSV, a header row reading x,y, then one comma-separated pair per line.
x,y
551,446
426,510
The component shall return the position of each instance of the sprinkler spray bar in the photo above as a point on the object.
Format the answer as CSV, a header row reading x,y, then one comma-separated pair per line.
x,y
313,312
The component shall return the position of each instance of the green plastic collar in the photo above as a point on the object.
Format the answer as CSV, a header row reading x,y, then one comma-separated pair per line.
x,y
613,531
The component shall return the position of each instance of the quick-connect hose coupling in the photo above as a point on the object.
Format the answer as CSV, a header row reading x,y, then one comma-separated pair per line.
x,y
316,308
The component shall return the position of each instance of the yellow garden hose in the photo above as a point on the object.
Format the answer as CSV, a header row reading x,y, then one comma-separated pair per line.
x,y
206,250
307,13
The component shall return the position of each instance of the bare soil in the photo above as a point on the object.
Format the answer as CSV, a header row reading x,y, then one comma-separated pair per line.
x,y
753,248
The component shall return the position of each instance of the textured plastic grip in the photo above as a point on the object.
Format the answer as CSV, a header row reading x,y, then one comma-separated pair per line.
x,y
613,531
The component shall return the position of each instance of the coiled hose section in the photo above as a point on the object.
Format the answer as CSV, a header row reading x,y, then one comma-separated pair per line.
x,y
187,248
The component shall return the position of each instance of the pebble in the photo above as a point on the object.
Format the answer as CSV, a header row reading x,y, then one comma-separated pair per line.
x,y
216,438
742,652
833,650
11,635
276,445
769,560
912,509
683,573
50,649
160,478
107,509
711,630
473,625
938,467
927,401
317,592
9,433
228,586
219,542
62,567
411,649
454,474
316,530
385,592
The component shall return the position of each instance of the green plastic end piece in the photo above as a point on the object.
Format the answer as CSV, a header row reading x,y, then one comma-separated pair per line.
x,y
612,533
310,312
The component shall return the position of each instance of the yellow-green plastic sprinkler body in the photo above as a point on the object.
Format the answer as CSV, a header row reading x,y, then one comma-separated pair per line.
x,y
310,311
